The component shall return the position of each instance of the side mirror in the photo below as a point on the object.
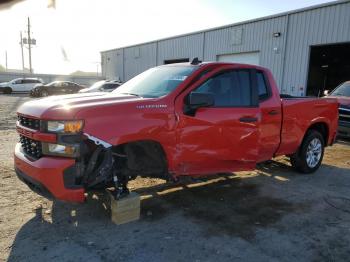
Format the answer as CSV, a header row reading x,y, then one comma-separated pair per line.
x,y
326,92
197,100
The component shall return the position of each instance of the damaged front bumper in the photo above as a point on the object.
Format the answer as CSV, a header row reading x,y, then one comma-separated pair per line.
x,y
49,176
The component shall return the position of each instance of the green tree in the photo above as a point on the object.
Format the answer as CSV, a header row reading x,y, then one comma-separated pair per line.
x,y
2,68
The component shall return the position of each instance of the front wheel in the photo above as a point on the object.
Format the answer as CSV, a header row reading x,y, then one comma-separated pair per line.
x,y
310,154
7,90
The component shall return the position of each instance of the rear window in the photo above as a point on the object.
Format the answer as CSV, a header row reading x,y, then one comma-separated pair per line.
x,y
262,87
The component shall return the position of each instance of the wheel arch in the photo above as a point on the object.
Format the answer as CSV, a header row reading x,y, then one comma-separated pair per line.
x,y
146,156
322,127
7,90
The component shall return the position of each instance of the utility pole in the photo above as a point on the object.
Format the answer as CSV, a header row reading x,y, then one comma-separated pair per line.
x,y
6,59
21,43
30,48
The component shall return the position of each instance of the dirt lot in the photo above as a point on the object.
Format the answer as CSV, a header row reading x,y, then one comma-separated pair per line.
x,y
271,214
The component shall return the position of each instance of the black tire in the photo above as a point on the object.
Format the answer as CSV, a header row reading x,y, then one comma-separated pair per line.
x,y
7,90
44,93
307,160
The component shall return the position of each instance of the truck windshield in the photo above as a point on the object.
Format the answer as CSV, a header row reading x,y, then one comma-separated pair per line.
x,y
156,82
342,90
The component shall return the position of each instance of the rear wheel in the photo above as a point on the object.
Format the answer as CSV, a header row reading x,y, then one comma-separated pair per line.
x,y
310,154
7,90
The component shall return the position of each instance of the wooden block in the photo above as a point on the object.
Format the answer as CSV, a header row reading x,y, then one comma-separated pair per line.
x,y
126,209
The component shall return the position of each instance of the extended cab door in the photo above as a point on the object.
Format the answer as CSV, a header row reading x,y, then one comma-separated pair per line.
x,y
271,115
223,137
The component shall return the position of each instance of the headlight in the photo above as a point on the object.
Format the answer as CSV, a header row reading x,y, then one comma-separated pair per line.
x,y
70,127
60,150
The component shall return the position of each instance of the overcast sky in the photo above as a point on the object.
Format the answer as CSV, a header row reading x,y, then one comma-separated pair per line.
x,y
71,34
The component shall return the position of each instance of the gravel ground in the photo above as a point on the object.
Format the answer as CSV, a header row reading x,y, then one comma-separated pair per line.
x,y
271,214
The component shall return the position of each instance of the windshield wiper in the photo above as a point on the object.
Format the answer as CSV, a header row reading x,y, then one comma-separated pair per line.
x,y
131,94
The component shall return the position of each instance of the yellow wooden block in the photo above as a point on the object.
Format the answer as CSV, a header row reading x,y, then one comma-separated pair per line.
x,y
126,209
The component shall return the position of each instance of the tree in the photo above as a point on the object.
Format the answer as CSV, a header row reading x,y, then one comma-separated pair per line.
x,y
2,68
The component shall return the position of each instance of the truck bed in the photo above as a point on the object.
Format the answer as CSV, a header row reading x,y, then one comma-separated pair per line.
x,y
298,113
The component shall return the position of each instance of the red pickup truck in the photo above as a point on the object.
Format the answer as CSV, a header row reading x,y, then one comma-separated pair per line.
x,y
190,119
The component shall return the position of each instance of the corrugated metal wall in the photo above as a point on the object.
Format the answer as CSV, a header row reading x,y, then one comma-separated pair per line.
x,y
256,36
313,27
139,58
286,56
189,46
112,64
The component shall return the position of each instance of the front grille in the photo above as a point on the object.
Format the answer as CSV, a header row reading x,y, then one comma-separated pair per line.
x,y
31,147
31,123
344,114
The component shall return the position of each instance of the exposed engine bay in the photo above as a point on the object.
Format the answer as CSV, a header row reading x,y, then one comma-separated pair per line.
x,y
105,166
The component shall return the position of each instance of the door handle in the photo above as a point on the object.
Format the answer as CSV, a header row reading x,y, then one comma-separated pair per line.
x,y
248,119
273,112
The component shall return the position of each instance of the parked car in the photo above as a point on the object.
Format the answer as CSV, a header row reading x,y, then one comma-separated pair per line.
x,y
191,119
342,94
55,88
20,85
102,86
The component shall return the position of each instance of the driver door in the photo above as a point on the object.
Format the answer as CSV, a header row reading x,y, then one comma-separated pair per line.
x,y
223,137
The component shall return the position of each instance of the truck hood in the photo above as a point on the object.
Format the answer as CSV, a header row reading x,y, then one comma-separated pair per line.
x,y
343,100
66,106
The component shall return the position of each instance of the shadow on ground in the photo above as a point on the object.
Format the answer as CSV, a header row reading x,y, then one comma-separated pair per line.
x,y
225,205
343,141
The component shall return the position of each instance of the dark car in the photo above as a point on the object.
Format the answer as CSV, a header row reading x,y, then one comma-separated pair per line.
x,y
56,88
102,86
342,93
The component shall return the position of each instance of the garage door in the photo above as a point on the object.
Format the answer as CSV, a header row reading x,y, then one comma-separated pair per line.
x,y
244,58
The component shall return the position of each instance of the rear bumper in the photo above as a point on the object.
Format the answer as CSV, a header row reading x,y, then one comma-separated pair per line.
x,y
46,176
344,129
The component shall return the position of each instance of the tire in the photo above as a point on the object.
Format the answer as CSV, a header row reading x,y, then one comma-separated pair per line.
x,y
44,93
310,154
7,90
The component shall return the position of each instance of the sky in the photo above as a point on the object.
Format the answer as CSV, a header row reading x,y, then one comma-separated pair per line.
x,y
71,33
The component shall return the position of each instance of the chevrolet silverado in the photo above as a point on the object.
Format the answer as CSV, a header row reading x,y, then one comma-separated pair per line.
x,y
188,119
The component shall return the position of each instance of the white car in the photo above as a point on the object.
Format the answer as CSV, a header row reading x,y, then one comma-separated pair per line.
x,y
23,85
102,86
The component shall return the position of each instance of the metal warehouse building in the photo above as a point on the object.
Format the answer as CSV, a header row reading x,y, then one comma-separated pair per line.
x,y
307,50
